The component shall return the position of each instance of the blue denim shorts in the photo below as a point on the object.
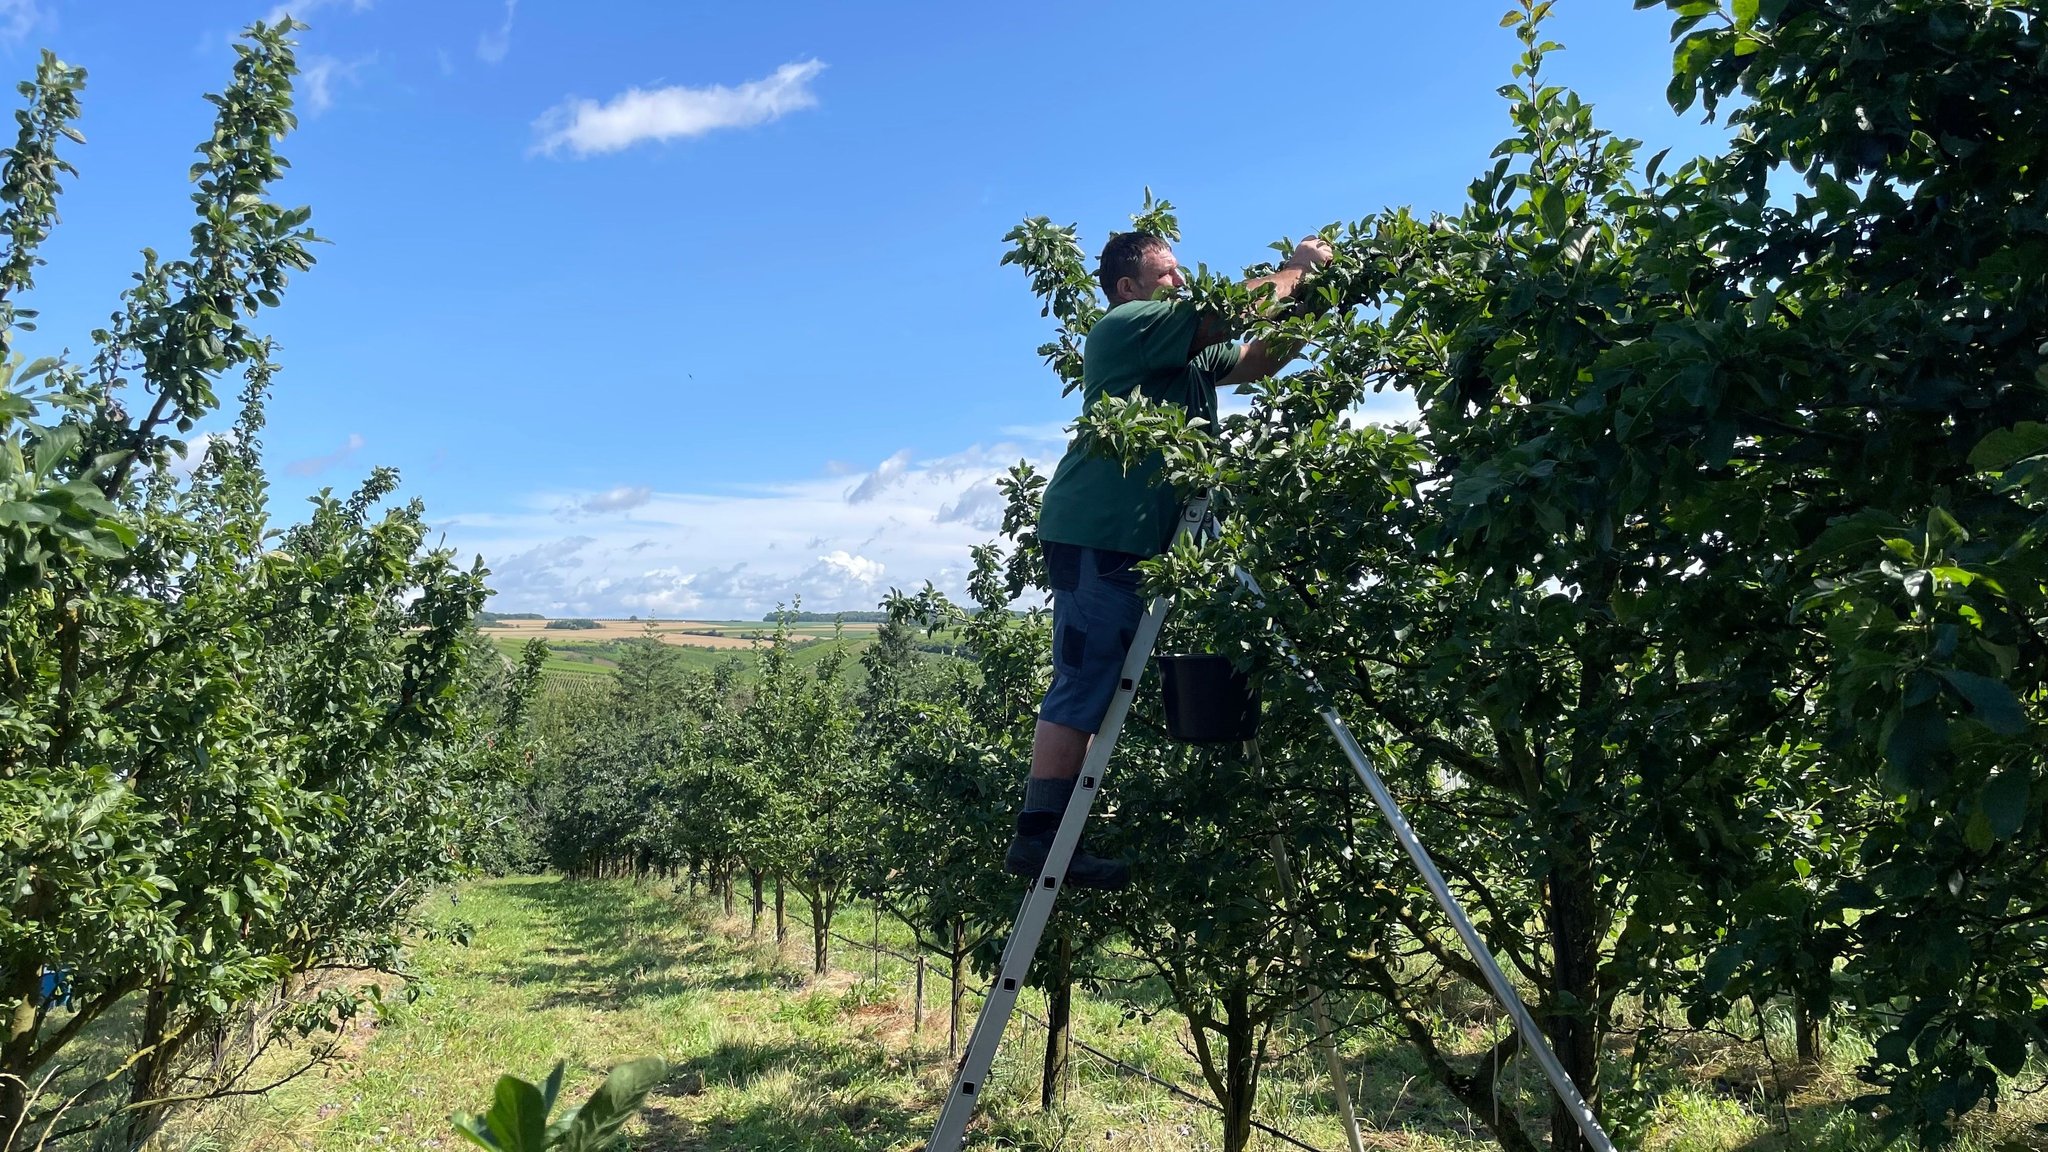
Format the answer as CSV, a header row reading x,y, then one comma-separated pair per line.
x,y
1095,612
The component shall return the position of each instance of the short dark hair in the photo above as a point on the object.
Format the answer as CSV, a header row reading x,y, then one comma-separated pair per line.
x,y
1123,256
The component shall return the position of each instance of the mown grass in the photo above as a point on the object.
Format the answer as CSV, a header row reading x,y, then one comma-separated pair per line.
x,y
766,1058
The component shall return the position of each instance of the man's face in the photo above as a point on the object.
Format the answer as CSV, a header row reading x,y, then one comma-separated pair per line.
x,y
1158,275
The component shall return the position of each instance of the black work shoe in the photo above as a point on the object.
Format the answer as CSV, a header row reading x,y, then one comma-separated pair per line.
x,y
1027,854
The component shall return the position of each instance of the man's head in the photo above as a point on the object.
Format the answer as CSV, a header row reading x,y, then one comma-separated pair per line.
x,y
1137,266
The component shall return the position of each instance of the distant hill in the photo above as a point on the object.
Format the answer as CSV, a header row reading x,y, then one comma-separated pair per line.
x,y
486,619
829,617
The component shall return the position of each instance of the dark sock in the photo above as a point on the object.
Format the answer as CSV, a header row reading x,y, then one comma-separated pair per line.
x,y
1045,801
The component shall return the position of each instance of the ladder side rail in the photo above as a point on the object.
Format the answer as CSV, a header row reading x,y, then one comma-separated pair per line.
x,y
1022,946
1404,832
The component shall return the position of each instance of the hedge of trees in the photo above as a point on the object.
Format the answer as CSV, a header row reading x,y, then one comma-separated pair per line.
x,y
233,756
1697,623
1698,620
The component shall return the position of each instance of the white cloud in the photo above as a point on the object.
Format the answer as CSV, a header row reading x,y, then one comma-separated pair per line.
x,y
980,506
859,569
314,465
736,553
617,500
185,463
492,46
879,480
18,18
586,127
322,74
1383,408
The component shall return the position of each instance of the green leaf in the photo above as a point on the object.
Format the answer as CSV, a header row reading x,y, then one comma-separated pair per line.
x,y
472,1129
1977,832
24,512
2008,446
2007,1050
1855,533
519,1119
1721,966
596,1124
56,446
1918,734
1550,208
1760,307
1745,12
2005,802
552,1089
1992,704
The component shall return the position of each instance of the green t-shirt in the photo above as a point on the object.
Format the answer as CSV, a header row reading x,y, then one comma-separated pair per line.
x,y
1147,347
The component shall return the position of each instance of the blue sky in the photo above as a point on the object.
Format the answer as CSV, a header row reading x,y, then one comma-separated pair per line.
x,y
675,309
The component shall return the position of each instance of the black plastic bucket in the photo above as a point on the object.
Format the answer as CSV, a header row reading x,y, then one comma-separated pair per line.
x,y
1206,700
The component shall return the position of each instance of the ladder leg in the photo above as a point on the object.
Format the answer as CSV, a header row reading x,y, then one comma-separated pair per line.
x,y
1036,910
1539,1044
1404,833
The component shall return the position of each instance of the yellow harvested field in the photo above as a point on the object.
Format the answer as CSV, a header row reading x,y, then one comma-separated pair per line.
x,y
686,633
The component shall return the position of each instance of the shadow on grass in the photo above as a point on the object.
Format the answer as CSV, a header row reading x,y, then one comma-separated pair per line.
x,y
792,1095
610,959
854,1127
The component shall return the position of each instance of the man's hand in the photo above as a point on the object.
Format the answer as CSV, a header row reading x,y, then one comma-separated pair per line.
x,y
1310,254
1260,358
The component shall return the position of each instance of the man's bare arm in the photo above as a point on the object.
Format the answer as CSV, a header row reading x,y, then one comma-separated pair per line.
x,y
1258,359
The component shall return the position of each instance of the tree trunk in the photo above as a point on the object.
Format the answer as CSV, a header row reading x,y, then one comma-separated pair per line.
x,y
1240,1073
24,995
1575,954
1059,1004
1808,1026
725,886
754,925
959,991
781,916
821,933
1477,1096
150,1079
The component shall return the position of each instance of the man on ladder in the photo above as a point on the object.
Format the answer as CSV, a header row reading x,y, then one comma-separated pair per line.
x,y
1099,519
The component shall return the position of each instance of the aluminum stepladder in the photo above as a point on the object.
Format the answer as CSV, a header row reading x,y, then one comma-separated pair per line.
x,y
1022,946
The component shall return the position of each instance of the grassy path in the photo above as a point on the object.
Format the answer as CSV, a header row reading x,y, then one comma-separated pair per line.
x,y
767,1060
597,973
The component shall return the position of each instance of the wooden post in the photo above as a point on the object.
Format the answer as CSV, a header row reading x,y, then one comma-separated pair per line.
x,y
1059,1006
917,1011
